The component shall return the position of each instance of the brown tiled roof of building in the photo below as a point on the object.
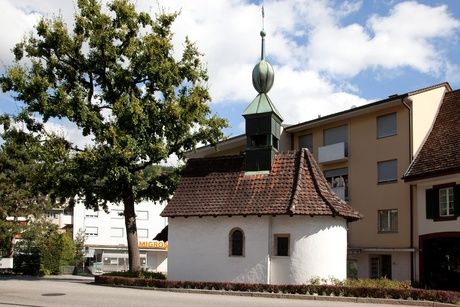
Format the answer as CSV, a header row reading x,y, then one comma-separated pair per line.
x,y
440,154
219,186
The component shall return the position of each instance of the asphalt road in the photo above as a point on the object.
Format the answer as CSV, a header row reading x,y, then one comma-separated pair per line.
x,y
77,292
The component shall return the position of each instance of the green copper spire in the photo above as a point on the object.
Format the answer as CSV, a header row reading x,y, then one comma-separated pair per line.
x,y
263,121
263,77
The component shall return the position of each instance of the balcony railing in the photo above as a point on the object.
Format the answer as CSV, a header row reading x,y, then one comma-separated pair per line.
x,y
333,153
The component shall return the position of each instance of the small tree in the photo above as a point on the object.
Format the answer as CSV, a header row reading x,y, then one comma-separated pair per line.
x,y
116,77
79,256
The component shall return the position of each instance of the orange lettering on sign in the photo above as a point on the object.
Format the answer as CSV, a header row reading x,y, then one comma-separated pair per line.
x,y
154,244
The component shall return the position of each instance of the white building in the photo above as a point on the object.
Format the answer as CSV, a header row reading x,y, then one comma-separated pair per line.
x,y
434,176
261,217
106,245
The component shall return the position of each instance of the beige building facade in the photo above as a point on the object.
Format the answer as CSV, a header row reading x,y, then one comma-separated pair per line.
x,y
364,153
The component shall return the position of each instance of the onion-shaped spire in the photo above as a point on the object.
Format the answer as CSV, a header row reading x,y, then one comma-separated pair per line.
x,y
263,74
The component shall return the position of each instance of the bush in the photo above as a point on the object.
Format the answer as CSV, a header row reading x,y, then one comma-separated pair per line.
x,y
43,250
399,291
140,274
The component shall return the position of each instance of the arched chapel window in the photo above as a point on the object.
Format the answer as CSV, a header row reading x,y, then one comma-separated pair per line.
x,y
236,242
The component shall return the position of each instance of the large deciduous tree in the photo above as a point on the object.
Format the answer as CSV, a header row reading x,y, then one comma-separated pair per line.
x,y
116,76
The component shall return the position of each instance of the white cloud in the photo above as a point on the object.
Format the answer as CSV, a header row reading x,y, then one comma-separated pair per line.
x,y
314,51
404,38
15,23
70,132
452,72
303,95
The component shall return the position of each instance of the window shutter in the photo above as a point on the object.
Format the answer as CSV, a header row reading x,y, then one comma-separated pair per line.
x,y
457,200
430,206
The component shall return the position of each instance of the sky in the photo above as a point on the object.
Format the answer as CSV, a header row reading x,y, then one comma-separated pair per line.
x,y
328,56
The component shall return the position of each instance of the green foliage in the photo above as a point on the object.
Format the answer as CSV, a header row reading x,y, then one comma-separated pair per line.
x,y
116,76
451,297
79,255
43,250
139,274
24,158
376,283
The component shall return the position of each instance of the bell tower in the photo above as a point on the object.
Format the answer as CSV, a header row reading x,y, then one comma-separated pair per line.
x,y
263,121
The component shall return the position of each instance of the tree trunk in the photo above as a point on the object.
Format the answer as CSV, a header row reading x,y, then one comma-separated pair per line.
x,y
131,233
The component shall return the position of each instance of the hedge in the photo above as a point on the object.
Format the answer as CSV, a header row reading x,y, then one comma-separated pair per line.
x,y
451,297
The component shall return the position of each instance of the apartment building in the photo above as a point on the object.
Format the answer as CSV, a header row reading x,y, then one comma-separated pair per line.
x,y
364,153
105,237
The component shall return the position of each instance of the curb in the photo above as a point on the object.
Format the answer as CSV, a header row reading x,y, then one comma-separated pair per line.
x,y
364,300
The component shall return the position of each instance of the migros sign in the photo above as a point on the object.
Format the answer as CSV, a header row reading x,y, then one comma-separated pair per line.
x,y
153,244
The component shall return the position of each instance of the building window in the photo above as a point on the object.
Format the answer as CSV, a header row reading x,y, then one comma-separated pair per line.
x,y
116,232
91,231
142,233
386,125
338,181
52,215
142,215
446,201
275,142
336,135
443,202
387,171
388,220
380,266
116,214
352,269
281,244
91,213
306,141
236,238
259,140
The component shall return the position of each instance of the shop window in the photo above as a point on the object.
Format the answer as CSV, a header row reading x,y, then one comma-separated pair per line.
x,y
387,171
281,244
236,242
338,181
386,125
91,231
306,141
388,220
380,266
443,202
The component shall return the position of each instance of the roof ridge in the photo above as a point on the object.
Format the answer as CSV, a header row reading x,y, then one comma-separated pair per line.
x,y
430,87
297,174
334,210
227,157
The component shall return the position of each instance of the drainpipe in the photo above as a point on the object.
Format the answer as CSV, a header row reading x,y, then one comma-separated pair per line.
x,y
411,201
269,245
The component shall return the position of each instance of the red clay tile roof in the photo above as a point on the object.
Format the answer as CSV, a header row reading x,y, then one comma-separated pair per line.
x,y
440,154
219,186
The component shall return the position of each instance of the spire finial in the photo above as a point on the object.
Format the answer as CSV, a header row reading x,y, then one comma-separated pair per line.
x,y
262,35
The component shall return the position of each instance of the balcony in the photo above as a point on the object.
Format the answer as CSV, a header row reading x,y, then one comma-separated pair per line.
x,y
333,153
